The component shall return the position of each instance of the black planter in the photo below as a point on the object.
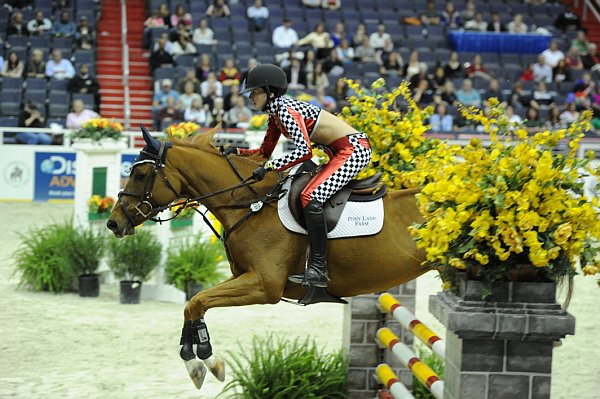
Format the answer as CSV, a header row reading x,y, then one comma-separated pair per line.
x,y
130,292
89,285
191,289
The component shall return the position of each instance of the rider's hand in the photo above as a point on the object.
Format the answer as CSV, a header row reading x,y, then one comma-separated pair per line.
x,y
230,149
259,173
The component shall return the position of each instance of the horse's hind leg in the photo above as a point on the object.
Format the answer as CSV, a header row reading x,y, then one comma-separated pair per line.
x,y
246,289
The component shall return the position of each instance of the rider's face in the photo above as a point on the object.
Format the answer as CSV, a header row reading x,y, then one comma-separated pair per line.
x,y
259,98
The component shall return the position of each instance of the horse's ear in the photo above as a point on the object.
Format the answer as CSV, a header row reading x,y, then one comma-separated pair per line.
x,y
151,142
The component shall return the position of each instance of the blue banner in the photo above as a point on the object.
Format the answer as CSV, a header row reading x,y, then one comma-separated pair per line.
x,y
126,162
54,176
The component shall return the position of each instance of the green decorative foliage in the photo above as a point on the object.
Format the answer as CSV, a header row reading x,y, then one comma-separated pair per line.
x,y
134,257
83,250
277,368
434,362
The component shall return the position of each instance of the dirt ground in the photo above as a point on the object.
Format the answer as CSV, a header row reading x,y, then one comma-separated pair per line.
x,y
64,346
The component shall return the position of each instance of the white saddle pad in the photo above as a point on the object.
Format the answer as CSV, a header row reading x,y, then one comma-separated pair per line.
x,y
357,218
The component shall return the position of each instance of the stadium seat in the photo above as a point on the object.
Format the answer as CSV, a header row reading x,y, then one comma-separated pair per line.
x,y
59,85
10,103
12,85
58,104
87,98
36,84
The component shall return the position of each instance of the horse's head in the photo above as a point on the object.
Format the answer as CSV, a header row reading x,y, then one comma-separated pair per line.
x,y
147,188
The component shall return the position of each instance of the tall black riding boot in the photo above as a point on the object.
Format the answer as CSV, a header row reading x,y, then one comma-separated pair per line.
x,y
316,272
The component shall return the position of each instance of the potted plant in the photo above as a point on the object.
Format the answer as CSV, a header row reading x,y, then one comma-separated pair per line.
x,y
99,208
132,259
182,130
193,266
40,259
97,129
513,211
83,251
184,218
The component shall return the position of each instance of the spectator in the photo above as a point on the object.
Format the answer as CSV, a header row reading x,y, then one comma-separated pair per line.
x,y
229,74
231,97
154,21
423,93
203,34
572,59
196,112
561,72
11,5
439,78
165,14
159,100
541,70
339,34
39,25
431,15
553,54
517,25
450,17
317,78
364,52
180,29
542,96
533,123
211,89
413,66
180,15
13,67
469,13
344,52
252,62
284,36
79,115
339,93
84,82
360,35
567,20
16,26
319,40
521,98
569,115
168,114
554,121
331,4
1,62
332,65
323,101
377,40
392,65
64,27
583,87
182,46
495,25
477,24
415,80
188,96
239,116
32,118
217,115
527,74
581,43
310,60
161,57
218,9
296,75
591,60
453,68
513,119
447,95
476,69
258,15
190,76
493,91
36,66
204,67
84,37
467,95
312,3
441,121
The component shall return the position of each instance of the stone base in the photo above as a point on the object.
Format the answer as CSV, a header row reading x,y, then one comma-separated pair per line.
x,y
163,293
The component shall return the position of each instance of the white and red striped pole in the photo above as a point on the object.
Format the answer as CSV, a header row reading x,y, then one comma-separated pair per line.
x,y
408,320
387,377
408,358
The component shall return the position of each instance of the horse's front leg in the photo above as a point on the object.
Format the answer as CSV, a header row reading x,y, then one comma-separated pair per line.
x,y
247,289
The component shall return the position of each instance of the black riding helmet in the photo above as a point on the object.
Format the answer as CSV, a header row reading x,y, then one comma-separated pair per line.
x,y
268,76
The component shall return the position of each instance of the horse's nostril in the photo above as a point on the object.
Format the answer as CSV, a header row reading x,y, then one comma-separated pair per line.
x,y
112,225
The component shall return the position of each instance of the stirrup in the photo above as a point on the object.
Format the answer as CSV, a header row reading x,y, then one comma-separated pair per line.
x,y
319,294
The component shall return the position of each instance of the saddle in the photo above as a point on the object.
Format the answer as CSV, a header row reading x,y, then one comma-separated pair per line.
x,y
361,190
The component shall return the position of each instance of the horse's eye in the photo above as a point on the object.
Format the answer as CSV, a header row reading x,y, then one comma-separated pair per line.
x,y
139,176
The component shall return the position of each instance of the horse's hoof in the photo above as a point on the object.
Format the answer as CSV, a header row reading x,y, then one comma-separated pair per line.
x,y
197,371
216,365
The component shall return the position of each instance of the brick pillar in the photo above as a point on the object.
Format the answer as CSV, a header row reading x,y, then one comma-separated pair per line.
x,y
501,347
364,354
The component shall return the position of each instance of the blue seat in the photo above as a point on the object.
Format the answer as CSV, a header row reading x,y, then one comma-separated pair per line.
x,y
58,104
87,98
62,43
186,60
17,42
10,103
164,73
12,85
36,84
9,121
40,42
58,85
84,57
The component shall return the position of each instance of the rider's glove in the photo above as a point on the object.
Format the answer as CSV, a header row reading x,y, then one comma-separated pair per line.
x,y
230,149
259,173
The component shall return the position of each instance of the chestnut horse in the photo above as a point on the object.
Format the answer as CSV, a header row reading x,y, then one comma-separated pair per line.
x,y
261,252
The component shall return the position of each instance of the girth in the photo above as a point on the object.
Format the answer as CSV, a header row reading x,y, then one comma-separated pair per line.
x,y
362,190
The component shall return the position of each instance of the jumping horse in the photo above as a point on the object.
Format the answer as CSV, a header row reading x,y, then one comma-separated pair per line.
x,y
262,253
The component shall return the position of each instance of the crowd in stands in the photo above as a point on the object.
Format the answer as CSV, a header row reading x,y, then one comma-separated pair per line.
x,y
47,64
213,47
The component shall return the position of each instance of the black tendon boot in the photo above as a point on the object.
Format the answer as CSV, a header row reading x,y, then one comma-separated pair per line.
x,y
316,272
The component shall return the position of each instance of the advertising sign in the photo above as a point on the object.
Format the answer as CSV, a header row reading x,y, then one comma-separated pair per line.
x,y
126,162
16,174
54,176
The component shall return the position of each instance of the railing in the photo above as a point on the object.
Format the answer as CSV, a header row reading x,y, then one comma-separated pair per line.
x,y
126,99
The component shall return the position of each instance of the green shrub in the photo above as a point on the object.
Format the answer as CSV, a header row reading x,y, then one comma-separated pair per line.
x,y
134,257
41,260
196,260
434,362
84,249
276,368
